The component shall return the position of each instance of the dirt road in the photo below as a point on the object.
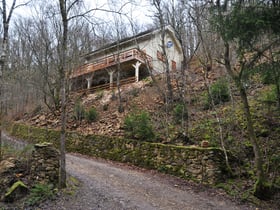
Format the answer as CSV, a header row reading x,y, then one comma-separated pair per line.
x,y
106,185
109,185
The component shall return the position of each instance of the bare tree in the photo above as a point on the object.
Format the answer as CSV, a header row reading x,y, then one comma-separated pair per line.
x,y
6,18
135,30
69,10
159,15
246,36
64,8
6,15
199,15
120,34
178,14
37,34
40,33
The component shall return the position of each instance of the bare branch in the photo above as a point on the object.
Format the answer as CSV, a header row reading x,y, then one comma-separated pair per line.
x,y
23,4
123,6
11,11
260,52
72,5
91,10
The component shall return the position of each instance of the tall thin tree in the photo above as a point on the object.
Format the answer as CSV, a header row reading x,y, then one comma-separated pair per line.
x,y
6,18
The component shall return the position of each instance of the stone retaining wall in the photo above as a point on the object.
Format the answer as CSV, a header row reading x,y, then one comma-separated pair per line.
x,y
17,176
204,165
45,164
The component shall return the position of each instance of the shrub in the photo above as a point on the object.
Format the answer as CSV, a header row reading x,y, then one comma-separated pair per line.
x,y
269,95
134,92
180,113
79,111
219,93
40,193
91,115
99,95
268,72
269,98
105,107
138,125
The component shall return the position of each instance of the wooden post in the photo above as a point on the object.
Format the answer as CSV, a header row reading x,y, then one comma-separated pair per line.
x,y
136,66
111,74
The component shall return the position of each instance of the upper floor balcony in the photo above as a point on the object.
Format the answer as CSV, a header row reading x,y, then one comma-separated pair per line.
x,y
110,61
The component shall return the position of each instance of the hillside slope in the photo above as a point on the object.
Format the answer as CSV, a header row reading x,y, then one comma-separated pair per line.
x,y
222,124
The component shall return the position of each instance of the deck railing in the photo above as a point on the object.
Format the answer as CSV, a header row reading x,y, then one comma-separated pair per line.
x,y
111,61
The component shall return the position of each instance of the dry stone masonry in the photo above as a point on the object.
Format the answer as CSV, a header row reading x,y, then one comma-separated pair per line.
x,y
198,163
45,164
17,177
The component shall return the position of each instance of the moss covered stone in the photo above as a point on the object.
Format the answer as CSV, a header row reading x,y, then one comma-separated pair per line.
x,y
16,191
206,165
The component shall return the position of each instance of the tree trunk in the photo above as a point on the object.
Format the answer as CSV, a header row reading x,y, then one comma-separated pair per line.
x,y
260,188
1,154
218,119
62,169
120,108
158,5
3,57
169,97
160,91
278,97
62,180
260,184
277,84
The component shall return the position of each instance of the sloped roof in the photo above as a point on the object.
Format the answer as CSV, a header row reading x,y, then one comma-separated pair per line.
x,y
141,36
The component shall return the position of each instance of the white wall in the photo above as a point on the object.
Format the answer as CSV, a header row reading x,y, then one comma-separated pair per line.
x,y
151,46
173,53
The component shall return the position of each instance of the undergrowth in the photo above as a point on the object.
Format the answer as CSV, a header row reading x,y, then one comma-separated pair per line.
x,y
40,193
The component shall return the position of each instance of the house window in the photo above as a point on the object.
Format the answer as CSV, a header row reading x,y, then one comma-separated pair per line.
x,y
173,65
160,56
169,44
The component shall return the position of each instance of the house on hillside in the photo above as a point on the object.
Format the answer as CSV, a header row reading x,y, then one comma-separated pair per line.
x,y
135,58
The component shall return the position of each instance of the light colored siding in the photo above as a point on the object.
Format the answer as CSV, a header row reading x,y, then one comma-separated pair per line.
x,y
151,47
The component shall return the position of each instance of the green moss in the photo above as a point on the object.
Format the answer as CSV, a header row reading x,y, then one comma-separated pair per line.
x,y
72,185
15,186
165,158
43,144
262,190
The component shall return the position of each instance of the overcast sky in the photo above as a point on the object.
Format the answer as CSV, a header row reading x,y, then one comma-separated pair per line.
x,y
138,10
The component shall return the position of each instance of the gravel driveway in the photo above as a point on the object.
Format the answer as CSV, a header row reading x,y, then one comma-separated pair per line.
x,y
107,185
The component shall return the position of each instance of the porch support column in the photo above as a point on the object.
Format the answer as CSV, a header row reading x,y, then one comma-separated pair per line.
x,y
111,74
136,66
89,81
70,85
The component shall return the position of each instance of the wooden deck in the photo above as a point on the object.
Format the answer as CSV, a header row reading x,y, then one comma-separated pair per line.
x,y
132,54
